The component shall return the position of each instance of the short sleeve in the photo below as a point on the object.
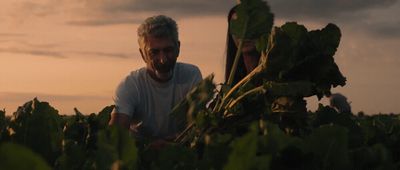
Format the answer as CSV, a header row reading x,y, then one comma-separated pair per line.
x,y
126,97
197,77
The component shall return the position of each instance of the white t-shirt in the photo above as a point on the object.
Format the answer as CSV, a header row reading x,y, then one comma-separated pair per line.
x,y
144,99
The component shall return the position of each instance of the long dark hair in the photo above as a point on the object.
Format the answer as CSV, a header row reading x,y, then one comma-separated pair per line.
x,y
230,55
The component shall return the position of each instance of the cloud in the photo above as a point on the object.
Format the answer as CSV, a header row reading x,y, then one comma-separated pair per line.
x,y
391,30
380,29
378,18
104,22
35,52
111,12
50,50
30,45
317,9
65,54
103,54
20,96
187,8
39,9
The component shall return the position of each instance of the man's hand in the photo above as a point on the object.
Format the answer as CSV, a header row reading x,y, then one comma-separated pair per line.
x,y
120,119
171,138
158,144
161,143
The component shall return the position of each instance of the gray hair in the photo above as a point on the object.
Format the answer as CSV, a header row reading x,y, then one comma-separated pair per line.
x,y
158,26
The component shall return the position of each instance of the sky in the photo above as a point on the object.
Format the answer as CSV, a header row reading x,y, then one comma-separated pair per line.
x,y
73,53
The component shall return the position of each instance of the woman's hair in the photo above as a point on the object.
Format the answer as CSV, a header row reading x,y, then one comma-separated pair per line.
x,y
230,54
158,26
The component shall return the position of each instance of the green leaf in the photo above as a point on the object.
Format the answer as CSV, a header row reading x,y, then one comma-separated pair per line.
x,y
294,54
329,146
216,151
295,89
374,157
73,157
276,140
262,43
175,157
17,157
195,101
116,148
254,16
104,116
76,128
327,115
38,126
244,153
4,124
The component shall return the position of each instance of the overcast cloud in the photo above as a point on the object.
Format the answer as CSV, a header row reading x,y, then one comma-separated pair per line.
x,y
315,9
35,52
16,96
178,7
104,22
378,17
64,54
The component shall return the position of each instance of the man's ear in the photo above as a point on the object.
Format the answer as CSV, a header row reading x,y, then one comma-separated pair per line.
x,y
178,48
143,56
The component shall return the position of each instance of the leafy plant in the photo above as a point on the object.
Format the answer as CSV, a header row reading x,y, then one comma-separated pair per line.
x,y
38,126
17,157
259,123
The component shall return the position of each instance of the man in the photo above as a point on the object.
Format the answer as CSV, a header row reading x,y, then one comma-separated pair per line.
x,y
144,98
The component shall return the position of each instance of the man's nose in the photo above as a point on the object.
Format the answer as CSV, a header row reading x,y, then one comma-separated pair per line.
x,y
163,57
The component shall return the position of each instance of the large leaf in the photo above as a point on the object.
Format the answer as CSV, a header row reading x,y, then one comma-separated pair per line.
x,y
17,157
38,126
116,148
374,157
295,54
253,17
244,153
4,123
195,101
329,145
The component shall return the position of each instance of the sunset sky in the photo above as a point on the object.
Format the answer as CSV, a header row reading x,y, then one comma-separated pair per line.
x,y
73,53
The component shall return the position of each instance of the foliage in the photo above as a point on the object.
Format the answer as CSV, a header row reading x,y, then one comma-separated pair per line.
x,y
17,157
294,54
38,126
4,122
259,123
333,141
253,20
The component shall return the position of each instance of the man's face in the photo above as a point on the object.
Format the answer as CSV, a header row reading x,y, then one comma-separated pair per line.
x,y
160,54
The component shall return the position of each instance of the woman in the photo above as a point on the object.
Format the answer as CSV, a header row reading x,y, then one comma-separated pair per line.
x,y
249,57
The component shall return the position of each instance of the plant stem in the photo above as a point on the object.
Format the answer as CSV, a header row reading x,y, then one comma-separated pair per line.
x,y
238,53
238,85
252,91
190,126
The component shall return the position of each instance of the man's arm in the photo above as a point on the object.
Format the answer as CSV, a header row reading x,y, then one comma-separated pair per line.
x,y
120,119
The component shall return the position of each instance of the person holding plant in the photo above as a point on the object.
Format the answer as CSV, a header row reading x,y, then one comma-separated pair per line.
x,y
248,60
249,57
144,99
